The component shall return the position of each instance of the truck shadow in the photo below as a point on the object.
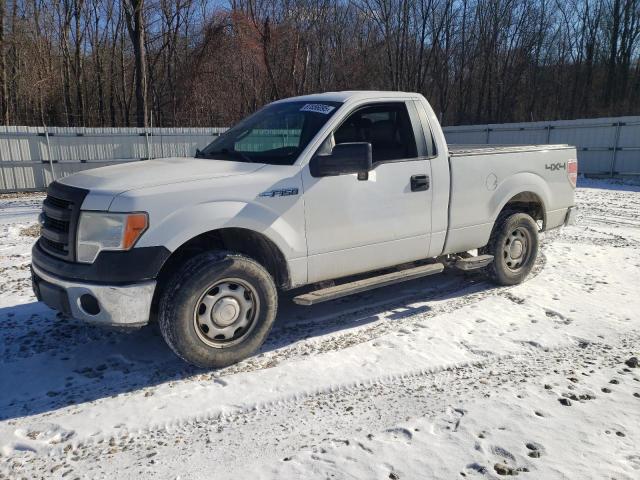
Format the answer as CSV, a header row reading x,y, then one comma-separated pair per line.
x,y
48,361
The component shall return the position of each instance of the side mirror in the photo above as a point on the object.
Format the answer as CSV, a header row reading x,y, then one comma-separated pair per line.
x,y
345,158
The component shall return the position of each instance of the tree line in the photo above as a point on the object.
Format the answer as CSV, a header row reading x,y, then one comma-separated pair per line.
x,y
209,63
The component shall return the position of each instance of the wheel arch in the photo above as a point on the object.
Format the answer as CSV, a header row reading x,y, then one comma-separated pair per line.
x,y
248,242
525,202
524,192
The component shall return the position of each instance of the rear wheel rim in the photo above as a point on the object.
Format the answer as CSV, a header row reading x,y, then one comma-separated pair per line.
x,y
516,250
226,312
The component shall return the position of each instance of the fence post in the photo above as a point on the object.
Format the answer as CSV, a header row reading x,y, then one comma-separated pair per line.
x,y
487,137
46,136
150,150
12,171
548,134
615,149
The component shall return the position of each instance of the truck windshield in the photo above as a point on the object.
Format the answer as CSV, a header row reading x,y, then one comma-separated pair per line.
x,y
275,134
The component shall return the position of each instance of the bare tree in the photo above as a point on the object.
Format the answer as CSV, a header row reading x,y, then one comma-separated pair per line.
x,y
134,14
4,96
201,62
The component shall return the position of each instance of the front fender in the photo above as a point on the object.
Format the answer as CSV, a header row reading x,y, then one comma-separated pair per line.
x,y
183,224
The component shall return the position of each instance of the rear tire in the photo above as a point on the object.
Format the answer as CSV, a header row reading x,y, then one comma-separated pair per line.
x,y
217,309
514,246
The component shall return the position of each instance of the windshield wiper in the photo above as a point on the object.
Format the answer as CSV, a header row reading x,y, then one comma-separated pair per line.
x,y
225,151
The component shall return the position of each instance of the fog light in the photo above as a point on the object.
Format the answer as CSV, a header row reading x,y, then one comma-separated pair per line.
x,y
90,304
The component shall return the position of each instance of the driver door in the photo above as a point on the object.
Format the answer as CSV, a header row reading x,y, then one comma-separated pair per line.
x,y
355,225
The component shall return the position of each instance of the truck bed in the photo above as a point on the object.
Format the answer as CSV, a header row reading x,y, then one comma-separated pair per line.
x,y
484,177
464,150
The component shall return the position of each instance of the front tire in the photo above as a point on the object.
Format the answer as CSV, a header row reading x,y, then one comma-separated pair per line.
x,y
514,246
218,309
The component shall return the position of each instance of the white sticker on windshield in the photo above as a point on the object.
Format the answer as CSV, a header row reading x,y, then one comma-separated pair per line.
x,y
317,108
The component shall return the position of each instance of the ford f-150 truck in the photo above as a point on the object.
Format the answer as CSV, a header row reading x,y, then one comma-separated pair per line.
x,y
336,192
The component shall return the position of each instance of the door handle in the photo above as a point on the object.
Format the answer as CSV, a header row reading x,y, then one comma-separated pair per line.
x,y
419,183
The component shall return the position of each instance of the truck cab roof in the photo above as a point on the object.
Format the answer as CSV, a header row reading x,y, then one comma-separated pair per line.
x,y
352,95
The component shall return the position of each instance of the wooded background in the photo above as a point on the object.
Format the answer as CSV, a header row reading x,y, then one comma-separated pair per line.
x,y
209,63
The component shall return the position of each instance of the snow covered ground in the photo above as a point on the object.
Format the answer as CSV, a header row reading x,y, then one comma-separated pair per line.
x,y
446,377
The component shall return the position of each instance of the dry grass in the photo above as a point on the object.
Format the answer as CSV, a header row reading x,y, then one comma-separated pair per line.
x,y
31,231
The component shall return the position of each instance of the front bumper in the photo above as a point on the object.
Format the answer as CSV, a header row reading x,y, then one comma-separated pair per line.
x,y
570,219
111,267
114,305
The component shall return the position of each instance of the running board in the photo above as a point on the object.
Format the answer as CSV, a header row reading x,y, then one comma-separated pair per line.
x,y
338,291
471,263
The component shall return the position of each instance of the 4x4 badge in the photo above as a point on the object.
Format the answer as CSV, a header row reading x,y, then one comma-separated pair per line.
x,y
556,166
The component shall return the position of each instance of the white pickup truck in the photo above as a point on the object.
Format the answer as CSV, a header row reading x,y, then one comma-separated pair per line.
x,y
358,188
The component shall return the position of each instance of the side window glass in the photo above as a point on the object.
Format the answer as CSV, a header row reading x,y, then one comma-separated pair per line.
x,y
386,126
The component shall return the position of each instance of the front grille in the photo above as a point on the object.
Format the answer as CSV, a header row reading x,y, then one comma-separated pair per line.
x,y
56,224
58,202
60,212
58,249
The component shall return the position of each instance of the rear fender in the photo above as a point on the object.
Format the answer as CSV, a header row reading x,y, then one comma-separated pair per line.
x,y
517,184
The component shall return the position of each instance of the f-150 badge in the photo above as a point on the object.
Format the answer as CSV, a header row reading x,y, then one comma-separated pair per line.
x,y
282,192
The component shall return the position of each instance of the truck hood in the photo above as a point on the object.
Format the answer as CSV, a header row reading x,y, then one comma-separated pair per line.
x,y
116,179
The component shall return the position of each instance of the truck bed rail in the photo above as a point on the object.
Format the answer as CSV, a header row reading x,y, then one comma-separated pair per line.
x,y
465,150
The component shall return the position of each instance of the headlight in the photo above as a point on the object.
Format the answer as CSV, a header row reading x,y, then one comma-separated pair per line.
x,y
99,231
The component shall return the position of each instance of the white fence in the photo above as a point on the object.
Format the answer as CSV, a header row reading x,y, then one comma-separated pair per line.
x,y
606,146
31,157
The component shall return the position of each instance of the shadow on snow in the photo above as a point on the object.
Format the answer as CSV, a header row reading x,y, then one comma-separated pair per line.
x,y
49,361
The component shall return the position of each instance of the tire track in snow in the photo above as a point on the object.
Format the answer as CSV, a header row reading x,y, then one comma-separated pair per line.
x,y
289,341
319,419
385,324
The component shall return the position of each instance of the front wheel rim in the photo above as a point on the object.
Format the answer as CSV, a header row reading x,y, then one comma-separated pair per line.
x,y
516,250
226,312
